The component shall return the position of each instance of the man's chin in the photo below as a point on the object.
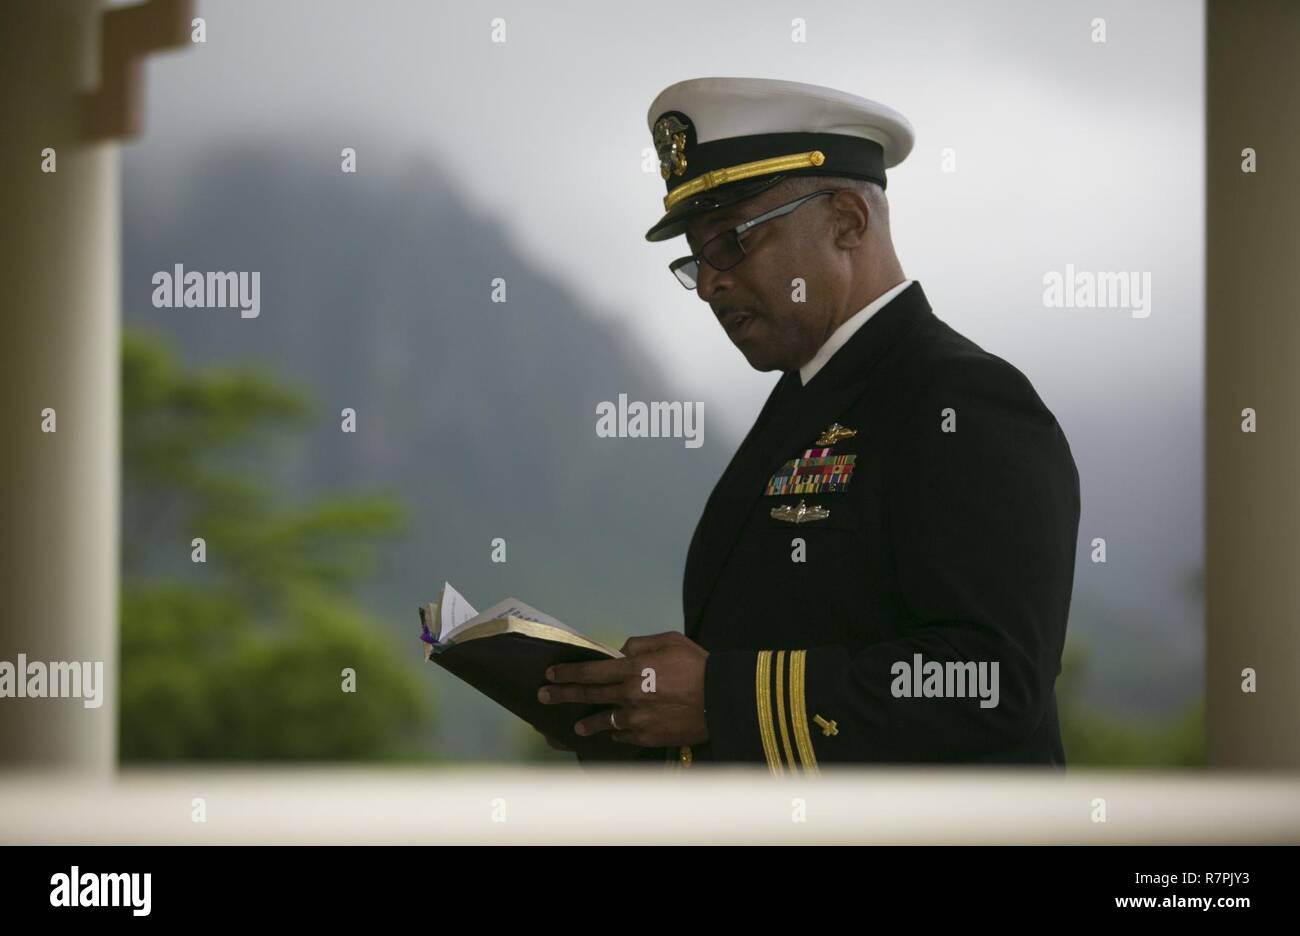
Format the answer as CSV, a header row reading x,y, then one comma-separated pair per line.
x,y
759,360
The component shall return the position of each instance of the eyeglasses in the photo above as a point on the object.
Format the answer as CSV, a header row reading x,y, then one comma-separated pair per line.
x,y
726,250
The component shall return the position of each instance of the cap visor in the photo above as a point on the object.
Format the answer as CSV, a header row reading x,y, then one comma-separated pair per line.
x,y
675,220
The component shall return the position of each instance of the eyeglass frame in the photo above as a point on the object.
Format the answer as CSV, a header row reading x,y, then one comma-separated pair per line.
x,y
779,211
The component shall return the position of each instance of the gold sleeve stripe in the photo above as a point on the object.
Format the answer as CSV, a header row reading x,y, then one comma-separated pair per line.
x,y
799,711
786,746
763,699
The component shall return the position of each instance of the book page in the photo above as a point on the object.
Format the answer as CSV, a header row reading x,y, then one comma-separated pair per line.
x,y
453,611
517,608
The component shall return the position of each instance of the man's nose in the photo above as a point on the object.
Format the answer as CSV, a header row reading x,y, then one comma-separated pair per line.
x,y
710,283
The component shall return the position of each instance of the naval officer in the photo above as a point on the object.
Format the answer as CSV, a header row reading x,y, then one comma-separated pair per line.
x,y
883,572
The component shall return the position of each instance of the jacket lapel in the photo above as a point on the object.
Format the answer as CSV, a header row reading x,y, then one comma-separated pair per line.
x,y
790,421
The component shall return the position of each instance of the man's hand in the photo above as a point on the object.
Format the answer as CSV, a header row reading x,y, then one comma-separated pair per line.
x,y
656,691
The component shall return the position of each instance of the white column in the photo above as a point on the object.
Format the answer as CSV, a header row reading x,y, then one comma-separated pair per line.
x,y
1253,361
59,348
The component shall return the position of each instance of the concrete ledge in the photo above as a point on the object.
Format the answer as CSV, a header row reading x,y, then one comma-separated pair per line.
x,y
421,805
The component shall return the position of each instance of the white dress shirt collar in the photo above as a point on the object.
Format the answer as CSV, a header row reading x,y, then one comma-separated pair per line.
x,y
846,331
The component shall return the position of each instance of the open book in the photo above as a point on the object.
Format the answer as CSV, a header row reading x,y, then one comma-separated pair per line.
x,y
453,620
504,652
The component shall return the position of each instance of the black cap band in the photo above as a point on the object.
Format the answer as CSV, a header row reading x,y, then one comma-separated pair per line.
x,y
855,157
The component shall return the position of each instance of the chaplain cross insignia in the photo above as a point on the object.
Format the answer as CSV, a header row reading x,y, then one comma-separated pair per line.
x,y
828,727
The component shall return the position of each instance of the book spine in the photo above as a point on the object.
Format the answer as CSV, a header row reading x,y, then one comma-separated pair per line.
x,y
426,635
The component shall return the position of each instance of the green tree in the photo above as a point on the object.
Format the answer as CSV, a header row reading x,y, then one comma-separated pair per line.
x,y
242,657
1097,738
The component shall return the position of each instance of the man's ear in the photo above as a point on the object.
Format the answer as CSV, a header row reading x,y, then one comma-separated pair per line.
x,y
852,218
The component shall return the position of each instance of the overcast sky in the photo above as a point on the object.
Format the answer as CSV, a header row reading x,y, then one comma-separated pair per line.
x,y
1068,150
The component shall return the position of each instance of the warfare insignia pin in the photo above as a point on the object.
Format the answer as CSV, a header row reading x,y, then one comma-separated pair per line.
x,y
801,514
670,143
835,434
